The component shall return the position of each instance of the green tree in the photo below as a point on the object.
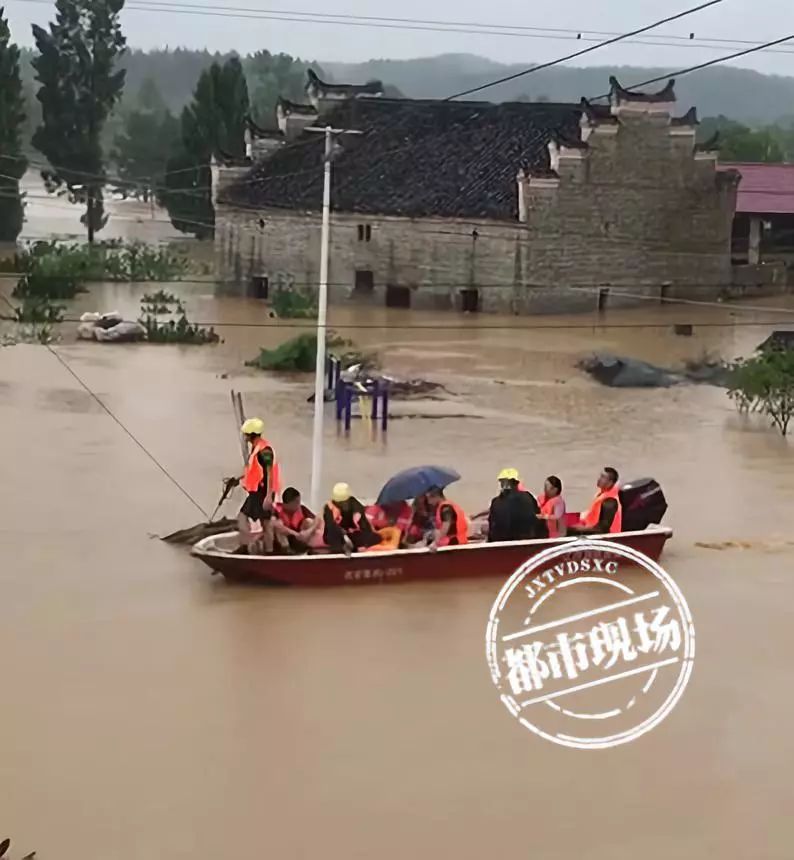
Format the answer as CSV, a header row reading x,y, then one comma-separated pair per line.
x,y
76,68
213,124
149,97
148,135
737,142
12,119
273,75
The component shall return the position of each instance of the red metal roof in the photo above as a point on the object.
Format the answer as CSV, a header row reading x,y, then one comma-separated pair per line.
x,y
765,189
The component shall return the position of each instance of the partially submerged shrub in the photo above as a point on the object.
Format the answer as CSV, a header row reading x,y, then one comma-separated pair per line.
x,y
300,353
174,330
765,384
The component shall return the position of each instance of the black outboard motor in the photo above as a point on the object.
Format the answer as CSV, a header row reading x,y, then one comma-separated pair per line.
x,y
643,503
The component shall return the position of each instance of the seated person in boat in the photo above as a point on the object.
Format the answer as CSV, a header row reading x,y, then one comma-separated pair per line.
x,y
604,516
513,514
552,507
346,527
421,521
297,529
451,526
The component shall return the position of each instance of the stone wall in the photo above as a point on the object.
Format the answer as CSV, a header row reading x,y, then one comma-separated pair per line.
x,y
636,213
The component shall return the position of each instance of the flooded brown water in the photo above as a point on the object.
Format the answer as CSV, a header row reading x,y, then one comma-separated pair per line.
x,y
150,710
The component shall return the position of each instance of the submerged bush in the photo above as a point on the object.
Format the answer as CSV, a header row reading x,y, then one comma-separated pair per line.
x,y
765,384
300,353
179,330
58,270
292,303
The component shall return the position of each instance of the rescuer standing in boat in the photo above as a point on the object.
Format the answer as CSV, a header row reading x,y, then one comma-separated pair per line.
x,y
605,515
262,481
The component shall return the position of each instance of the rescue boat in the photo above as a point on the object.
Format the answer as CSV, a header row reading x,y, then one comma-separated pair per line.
x,y
474,559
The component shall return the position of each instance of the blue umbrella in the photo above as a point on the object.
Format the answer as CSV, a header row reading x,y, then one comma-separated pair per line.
x,y
414,482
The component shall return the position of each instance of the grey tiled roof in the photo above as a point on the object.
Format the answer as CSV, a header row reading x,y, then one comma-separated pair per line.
x,y
415,159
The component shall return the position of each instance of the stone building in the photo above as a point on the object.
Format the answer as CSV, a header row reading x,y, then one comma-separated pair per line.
x,y
522,207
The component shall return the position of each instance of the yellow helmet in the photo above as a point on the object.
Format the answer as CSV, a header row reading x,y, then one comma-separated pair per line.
x,y
253,427
340,493
508,475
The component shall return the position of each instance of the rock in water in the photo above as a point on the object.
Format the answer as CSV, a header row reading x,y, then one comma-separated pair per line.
x,y
620,372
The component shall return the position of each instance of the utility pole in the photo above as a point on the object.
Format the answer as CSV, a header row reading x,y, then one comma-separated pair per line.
x,y
322,315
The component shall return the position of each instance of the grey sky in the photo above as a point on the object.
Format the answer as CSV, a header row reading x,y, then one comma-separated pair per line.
x,y
732,19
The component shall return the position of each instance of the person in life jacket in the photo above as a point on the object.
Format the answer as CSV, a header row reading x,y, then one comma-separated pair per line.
x,y
552,507
296,527
392,522
346,527
262,481
451,525
604,516
513,514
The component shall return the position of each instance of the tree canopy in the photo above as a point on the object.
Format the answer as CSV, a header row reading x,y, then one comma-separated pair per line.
x,y
79,85
12,118
212,125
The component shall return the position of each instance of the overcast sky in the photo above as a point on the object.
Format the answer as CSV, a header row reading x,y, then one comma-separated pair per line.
x,y
732,19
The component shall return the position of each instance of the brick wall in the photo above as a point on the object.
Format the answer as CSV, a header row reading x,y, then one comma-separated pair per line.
x,y
636,213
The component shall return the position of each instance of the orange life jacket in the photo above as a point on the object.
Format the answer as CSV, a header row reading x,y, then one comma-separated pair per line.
x,y
547,510
461,523
255,474
380,519
291,519
593,514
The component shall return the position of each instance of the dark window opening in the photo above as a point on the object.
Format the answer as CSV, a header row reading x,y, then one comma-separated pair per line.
x,y
260,286
470,301
603,296
365,282
360,232
364,233
664,294
398,297
368,232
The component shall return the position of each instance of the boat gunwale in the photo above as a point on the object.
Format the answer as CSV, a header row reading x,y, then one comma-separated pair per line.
x,y
199,550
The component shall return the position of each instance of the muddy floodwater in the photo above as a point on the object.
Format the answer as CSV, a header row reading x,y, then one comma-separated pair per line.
x,y
150,710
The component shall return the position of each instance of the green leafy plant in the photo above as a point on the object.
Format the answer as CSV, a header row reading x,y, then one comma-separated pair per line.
x,y
764,383
294,303
300,354
178,330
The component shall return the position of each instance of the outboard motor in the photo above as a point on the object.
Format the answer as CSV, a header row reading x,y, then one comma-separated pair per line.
x,y
643,503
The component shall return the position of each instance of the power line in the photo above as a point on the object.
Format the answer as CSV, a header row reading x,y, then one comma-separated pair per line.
x,y
699,66
584,51
419,24
411,24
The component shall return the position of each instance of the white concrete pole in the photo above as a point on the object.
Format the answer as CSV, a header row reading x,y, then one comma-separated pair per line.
x,y
322,314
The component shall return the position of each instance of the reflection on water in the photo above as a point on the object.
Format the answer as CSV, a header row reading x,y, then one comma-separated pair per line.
x,y
151,710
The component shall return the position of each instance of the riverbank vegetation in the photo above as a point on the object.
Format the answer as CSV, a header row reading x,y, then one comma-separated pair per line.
x,y
764,384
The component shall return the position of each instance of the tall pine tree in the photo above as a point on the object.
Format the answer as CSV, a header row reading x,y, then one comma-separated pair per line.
x,y
80,83
12,118
213,124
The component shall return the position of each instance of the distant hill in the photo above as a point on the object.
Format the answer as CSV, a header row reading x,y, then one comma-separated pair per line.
x,y
741,94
